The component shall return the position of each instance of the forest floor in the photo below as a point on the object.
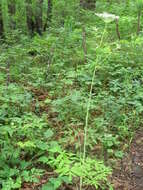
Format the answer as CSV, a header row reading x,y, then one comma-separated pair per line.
x,y
128,175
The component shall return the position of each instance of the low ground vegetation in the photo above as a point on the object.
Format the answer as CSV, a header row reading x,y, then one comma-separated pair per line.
x,y
49,137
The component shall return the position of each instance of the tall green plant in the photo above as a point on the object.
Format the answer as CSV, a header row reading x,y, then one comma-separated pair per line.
x,y
5,15
88,106
107,19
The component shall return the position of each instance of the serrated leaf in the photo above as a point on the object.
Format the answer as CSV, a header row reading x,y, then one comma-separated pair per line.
x,y
54,147
42,145
49,133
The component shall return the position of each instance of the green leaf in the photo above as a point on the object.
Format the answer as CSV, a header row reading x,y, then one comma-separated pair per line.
x,y
54,147
119,154
42,145
65,179
56,182
43,159
48,186
17,184
49,133
47,101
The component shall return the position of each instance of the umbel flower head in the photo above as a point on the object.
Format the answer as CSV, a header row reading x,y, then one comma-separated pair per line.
x,y
106,17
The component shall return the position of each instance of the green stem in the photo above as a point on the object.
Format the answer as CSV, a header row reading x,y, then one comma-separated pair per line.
x,y
88,106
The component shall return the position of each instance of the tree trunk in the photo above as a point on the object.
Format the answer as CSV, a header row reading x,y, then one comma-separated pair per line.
x,y
49,15
88,4
30,16
12,10
34,16
1,21
38,17
139,24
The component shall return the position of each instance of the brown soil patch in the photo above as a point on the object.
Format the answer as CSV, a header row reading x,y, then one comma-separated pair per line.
x,y
128,175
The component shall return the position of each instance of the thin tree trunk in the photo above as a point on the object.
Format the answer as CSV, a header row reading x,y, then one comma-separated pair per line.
x,y
38,17
139,19
117,29
49,15
12,10
88,4
1,21
29,15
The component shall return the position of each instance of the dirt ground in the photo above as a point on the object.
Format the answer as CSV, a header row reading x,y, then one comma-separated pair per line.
x,y
129,173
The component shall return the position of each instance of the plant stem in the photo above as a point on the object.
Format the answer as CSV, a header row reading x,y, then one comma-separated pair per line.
x,y
88,105
138,26
84,44
117,29
8,73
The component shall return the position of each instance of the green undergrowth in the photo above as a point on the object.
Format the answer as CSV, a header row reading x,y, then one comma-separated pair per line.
x,y
44,90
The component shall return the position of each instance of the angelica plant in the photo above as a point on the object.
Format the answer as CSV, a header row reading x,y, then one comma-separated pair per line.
x,y
107,18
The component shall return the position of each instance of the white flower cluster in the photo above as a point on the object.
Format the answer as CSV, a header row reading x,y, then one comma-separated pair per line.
x,y
107,17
